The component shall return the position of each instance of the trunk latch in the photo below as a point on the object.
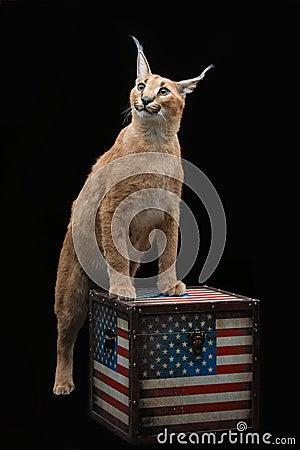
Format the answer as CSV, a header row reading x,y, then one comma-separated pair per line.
x,y
196,340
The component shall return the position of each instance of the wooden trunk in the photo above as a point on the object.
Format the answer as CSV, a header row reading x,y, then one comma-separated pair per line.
x,y
162,365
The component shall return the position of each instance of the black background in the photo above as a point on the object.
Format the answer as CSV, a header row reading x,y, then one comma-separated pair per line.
x,y
66,73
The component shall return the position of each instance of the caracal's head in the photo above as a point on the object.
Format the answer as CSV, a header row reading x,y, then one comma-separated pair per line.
x,y
156,98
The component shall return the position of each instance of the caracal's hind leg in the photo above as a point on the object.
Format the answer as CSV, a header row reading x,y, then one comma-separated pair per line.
x,y
71,307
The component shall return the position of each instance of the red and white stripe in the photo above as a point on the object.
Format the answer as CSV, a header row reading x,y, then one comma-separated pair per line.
x,y
205,402
110,387
192,295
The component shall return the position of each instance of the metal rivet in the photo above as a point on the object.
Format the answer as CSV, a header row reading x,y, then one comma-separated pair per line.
x,y
176,308
134,364
212,306
140,310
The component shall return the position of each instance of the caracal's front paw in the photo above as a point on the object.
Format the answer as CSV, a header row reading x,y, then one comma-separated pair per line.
x,y
123,292
177,290
63,388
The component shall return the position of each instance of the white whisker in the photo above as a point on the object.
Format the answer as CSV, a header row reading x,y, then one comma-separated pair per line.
x,y
162,119
127,113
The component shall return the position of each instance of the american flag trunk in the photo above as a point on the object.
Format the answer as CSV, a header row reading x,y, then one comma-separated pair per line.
x,y
174,364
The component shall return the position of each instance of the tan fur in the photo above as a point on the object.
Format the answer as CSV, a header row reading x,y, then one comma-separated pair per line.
x,y
149,131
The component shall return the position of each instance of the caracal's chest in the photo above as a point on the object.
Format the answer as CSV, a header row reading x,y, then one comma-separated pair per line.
x,y
148,208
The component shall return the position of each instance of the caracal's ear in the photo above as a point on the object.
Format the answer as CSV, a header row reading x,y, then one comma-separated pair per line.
x,y
142,68
187,86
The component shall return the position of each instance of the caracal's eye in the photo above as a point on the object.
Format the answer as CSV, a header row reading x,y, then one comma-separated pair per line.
x,y
140,86
163,91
